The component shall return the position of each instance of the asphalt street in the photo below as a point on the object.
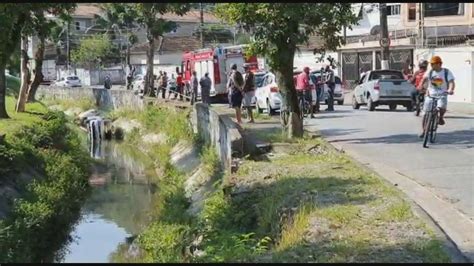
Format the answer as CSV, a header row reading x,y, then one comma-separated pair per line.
x,y
390,137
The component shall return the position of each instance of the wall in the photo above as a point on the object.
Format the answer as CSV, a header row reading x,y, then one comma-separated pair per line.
x,y
219,131
104,98
460,61
97,77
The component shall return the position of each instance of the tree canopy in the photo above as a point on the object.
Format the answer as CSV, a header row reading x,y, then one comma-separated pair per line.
x,y
277,30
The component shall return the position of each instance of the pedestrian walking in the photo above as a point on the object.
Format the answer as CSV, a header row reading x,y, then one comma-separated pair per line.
x,y
172,87
205,84
249,92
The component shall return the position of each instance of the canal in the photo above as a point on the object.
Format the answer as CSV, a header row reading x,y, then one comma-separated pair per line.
x,y
118,206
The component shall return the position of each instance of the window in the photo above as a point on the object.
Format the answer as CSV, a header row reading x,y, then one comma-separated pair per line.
x,y
78,25
393,10
443,9
411,11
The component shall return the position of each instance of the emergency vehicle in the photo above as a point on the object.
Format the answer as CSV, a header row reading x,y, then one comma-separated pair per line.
x,y
217,63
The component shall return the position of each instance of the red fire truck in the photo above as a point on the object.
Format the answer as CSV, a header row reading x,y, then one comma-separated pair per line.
x,y
217,63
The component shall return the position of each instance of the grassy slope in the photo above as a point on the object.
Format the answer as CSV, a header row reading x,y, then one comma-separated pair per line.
x,y
18,119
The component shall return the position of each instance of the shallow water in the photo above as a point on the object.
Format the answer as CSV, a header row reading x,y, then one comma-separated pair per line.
x,y
117,207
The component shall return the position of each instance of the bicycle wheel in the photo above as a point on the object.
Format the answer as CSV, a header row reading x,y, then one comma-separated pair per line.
x,y
428,122
301,107
434,127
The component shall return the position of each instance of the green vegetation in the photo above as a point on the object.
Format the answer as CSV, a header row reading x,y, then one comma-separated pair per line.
x,y
92,51
31,116
47,151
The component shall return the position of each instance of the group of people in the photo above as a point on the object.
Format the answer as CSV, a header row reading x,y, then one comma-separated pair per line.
x,y
303,88
177,86
241,91
438,82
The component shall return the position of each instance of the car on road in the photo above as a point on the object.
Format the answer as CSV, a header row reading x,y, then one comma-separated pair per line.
x,y
338,89
383,87
268,95
69,81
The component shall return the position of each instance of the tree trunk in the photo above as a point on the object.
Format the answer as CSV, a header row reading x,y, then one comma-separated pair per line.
x,y
149,69
3,89
285,79
25,75
38,77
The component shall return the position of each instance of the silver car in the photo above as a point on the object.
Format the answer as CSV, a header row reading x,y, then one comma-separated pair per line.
x,y
69,81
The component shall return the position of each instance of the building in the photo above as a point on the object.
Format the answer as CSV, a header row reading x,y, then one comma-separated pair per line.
x,y
186,37
416,30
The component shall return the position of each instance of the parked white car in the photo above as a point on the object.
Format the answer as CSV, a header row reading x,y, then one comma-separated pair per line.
x,y
138,83
383,87
268,95
338,89
69,81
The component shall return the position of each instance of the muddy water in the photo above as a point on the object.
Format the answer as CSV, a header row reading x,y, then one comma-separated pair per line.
x,y
117,207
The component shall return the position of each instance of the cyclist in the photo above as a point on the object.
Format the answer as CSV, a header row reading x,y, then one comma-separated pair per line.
x,y
440,84
303,88
417,78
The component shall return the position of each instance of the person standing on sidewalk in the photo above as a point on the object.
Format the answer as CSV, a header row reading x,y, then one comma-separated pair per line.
x,y
179,83
163,85
236,84
330,81
249,92
206,84
194,87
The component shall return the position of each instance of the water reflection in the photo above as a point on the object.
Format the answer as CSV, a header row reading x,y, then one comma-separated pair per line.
x,y
118,205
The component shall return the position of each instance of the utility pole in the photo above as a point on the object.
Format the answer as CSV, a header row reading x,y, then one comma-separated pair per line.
x,y
202,25
67,48
384,36
421,22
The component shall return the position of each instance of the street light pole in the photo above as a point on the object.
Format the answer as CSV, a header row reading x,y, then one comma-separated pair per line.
x,y
384,35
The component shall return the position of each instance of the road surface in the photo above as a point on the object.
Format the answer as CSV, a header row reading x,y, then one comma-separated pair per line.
x,y
388,140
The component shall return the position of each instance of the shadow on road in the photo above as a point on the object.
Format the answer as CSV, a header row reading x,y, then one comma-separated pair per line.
x,y
459,137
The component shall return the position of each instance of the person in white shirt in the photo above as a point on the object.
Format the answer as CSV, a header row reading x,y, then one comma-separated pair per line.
x,y
440,84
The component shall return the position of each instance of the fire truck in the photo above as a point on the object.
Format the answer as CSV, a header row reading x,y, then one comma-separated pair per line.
x,y
216,62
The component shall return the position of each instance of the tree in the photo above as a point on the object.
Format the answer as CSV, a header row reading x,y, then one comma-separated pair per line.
x,y
46,30
14,18
119,17
36,23
92,51
148,17
278,28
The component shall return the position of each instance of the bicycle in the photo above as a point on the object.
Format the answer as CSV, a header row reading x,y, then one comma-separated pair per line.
x,y
419,100
430,120
304,105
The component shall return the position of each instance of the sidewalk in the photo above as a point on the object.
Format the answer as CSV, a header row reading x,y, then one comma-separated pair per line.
x,y
463,108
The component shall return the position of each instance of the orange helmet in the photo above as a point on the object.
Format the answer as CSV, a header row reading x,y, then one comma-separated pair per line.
x,y
436,60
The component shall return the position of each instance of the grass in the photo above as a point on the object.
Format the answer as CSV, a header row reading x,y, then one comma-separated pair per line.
x,y
294,231
318,205
34,111
83,103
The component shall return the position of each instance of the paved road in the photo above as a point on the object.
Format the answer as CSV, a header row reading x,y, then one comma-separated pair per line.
x,y
440,179
446,167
